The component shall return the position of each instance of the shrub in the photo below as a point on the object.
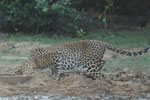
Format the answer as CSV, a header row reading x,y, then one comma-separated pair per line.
x,y
40,15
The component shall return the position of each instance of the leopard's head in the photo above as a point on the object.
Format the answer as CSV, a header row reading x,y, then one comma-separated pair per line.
x,y
18,70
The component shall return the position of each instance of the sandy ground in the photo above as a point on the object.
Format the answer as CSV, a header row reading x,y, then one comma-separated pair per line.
x,y
123,84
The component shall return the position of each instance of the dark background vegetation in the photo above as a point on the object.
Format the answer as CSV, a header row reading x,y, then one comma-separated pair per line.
x,y
72,17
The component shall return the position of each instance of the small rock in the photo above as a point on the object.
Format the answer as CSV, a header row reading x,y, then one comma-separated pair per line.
x,y
126,77
88,98
148,77
148,95
126,69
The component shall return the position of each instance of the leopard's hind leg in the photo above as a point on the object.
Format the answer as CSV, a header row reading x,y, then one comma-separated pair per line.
x,y
92,68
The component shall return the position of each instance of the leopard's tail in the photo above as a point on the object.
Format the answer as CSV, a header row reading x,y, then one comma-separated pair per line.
x,y
127,53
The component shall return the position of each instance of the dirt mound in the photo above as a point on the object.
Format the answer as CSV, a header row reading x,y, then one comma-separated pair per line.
x,y
122,83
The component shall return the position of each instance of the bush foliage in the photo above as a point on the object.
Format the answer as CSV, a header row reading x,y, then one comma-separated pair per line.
x,y
39,15
64,16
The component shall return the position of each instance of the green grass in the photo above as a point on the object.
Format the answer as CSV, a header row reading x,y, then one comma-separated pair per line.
x,y
121,39
130,62
11,61
125,39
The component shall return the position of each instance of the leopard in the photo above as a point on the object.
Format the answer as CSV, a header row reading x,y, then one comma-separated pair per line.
x,y
85,56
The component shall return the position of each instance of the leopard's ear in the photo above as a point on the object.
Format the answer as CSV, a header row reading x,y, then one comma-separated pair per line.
x,y
18,70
